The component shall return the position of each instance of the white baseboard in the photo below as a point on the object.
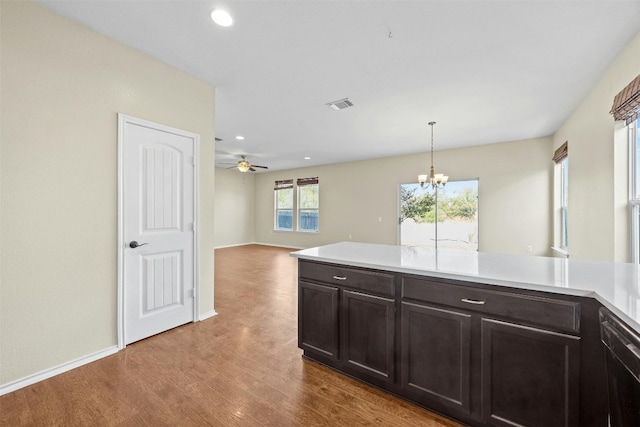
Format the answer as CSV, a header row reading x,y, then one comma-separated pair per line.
x,y
48,373
279,246
233,246
260,243
208,314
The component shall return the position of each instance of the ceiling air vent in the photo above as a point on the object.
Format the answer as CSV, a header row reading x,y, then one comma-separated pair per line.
x,y
340,104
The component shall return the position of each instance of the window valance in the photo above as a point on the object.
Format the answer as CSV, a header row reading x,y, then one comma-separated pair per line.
x,y
283,184
561,153
626,104
307,181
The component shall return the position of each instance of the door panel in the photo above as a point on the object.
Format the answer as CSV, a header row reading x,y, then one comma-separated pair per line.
x,y
529,376
159,214
436,355
368,338
161,281
318,320
162,177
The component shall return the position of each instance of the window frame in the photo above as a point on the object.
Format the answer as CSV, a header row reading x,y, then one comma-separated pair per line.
x,y
277,209
301,209
560,215
564,204
634,198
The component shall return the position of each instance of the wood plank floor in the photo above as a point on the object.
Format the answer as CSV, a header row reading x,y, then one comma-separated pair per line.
x,y
239,368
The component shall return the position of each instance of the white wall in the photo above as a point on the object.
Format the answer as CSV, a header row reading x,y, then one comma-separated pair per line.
x,y
62,87
598,165
514,196
234,208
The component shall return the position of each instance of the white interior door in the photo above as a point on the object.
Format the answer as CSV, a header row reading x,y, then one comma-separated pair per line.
x,y
158,239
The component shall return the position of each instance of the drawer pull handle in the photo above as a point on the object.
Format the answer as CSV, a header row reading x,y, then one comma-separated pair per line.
x,y
340,277
472,301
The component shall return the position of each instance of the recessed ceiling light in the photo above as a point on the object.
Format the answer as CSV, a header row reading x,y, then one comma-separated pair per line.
x,y
222,18
240,138
307,158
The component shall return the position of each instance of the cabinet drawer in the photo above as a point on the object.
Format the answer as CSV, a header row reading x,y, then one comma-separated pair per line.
x,y
543,311
370,281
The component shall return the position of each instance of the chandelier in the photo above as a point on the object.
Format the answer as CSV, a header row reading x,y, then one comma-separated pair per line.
x,y
435,180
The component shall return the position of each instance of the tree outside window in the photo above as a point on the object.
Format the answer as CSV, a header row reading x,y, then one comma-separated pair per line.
x,y
308,204
284,205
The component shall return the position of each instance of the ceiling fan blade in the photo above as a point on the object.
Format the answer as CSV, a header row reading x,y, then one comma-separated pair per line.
x,y
232,167
252,169
258,166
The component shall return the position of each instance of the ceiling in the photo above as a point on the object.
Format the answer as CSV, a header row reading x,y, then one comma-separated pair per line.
x,y
485,71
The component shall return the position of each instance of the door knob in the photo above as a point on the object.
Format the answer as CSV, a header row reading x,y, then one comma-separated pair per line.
x,y
135,244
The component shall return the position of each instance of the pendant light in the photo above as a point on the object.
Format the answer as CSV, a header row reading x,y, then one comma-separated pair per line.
x,y
435,180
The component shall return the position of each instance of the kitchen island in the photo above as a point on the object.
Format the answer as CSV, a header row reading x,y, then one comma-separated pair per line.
x,y
485,339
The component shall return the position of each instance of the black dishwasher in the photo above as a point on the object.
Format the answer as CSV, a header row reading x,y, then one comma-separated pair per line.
x,y
623,370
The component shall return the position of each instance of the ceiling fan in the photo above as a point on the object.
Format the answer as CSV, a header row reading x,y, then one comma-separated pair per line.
x,y
243,165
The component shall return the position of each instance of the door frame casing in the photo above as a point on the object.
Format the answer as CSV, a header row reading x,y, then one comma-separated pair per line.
x,y
123,119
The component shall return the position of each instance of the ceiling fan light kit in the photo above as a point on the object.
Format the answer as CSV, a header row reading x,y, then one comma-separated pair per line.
x,y
243,165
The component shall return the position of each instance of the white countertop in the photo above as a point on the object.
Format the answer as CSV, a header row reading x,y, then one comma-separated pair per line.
x,y
614,285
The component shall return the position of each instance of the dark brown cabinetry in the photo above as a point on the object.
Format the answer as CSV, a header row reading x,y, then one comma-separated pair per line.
x,y
529,376
484,355
346,319
369,334
318,319
623,370
436,355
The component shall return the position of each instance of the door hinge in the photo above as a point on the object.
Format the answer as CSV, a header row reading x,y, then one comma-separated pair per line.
x,y
193,226
192,161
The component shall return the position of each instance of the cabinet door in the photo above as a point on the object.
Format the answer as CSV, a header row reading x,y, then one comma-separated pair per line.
x,y
530,377
436,354
318,320
368,334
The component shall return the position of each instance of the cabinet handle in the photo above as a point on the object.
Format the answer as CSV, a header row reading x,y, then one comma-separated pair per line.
x,y
340,277
472,301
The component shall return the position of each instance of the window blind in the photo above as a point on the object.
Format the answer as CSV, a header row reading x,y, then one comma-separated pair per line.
x,y
626,104
281,185
561,153
307,181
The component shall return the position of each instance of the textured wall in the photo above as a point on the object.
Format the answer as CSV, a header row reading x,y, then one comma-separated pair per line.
x,y
514,196
598,147
235,208
62,87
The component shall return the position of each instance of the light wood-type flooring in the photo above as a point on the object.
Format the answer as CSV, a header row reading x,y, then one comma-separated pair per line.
x,y
239,368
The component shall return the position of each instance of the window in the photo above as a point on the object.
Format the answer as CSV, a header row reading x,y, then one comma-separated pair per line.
x,y
283,193
634,187
561,159
626,106
564,203
442,219
308,204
